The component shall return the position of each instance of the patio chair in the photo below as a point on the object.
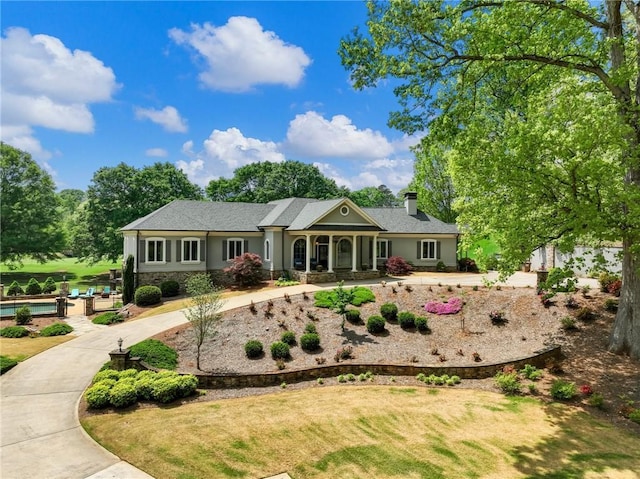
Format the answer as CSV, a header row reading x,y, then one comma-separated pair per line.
x,y
75,293
90,292
106,292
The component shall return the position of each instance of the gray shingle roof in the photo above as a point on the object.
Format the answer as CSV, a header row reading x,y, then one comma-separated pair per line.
x,y
294,213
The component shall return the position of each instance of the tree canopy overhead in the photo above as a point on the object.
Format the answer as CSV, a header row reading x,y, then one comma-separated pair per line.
x,y
266,181
535,105
29,219
374,197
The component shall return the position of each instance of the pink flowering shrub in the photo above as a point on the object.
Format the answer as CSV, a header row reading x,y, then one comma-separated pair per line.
x,y
452,306
586,390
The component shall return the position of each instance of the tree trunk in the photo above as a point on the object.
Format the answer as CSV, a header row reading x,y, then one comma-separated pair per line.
x,y
625,335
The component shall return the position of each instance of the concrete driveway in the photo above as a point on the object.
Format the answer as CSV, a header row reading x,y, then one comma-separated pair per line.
x,y
41,436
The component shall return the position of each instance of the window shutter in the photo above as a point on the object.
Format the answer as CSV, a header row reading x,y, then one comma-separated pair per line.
x,y
168,248
202,247
419,249
370,250
142,251
224,250
437,249
389,249
245,247
179,250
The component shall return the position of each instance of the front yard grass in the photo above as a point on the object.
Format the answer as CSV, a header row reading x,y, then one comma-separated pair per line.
x,y
23,348
368,431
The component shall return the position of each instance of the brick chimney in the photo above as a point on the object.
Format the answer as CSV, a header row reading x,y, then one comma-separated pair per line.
x,y
411,203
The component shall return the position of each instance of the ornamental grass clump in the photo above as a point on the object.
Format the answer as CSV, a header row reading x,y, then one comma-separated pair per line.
x,y
451,306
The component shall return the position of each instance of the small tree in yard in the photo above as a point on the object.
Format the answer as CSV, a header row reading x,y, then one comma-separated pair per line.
x,y
204,310
341,300
128,286
246,269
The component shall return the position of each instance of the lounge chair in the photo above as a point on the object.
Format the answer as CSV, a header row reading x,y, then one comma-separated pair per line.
x,y
90,292
106,292
75,293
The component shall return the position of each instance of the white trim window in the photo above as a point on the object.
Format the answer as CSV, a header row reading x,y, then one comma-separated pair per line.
x,y
267,250
190,250
382,249
155,250
235,247
429,249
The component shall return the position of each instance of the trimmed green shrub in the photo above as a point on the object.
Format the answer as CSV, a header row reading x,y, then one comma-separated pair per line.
x,y
145,380
635,416
441,267
106,374
353,316
310,328
49,286
280,350
14,289
6,363
310,341
406,319
375,324
56,329
23,315
509,383
389,312
155,353
14,332
253,348
33,287
169,288
563,390
531,372
362,295
147,296
122,394
97,396
107,318
422,324
288,337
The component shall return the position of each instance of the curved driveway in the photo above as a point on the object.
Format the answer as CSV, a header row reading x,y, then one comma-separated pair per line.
x,y
41,436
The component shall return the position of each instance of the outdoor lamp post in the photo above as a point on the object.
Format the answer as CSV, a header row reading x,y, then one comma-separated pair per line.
x,y
120,344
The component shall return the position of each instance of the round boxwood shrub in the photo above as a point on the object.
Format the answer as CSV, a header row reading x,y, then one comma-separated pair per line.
x,y
389,311
14,332
56,329
106,374
353,316
288,337
23,315
421,323
169,288
310,328
97,396
375,324
406,319
123,394
280,350
155,353
253,348
147,296
107,318
49,286
310,341
14,289
33,287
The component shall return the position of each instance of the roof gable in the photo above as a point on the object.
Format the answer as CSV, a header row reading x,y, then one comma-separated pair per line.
x,y
339,212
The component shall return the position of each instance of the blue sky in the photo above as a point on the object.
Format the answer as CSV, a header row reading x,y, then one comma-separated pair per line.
x,y
208,86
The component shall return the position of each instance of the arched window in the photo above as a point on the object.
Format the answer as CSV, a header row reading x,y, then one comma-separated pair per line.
x,y
300,254
267,250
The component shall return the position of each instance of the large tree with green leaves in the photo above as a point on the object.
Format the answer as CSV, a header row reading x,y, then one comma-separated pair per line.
x,y
29,219
374,197
538,102
432,181
266,181
119,195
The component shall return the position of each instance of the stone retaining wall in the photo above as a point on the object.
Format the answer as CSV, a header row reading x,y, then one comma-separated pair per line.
x,y
220,381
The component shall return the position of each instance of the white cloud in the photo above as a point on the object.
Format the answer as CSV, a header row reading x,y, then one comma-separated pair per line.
x,y
331,172
312,135
47,85
223,152
157,152
169,118
240,55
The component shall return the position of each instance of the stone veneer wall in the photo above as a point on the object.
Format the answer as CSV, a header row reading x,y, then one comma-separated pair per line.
x,y
315,277
220,381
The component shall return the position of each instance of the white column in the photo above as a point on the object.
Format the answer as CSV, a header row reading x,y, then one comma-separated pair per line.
x,y
308,255
331,248
374,253
354,255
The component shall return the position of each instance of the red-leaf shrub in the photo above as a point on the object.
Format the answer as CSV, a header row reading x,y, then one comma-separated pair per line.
x,y
398,265
246,270
614,287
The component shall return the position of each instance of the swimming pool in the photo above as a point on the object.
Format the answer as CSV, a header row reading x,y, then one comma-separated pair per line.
x,y
8,308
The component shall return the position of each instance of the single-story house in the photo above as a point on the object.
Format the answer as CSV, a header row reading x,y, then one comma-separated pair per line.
x,y
313,240
582,260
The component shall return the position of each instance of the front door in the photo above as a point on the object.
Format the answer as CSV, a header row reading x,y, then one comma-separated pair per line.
x,y
322,253
344,253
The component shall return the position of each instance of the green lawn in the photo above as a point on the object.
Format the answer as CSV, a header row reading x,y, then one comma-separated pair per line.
x,y
487,246
79,275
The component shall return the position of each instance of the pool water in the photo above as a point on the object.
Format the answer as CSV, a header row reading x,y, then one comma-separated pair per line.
x,y
9,308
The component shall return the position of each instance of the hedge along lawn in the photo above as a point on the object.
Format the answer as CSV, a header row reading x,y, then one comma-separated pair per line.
x,y
79,275
368,431
23,348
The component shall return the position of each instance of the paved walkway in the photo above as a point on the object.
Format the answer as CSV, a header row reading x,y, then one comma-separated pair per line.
x,y
41,436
